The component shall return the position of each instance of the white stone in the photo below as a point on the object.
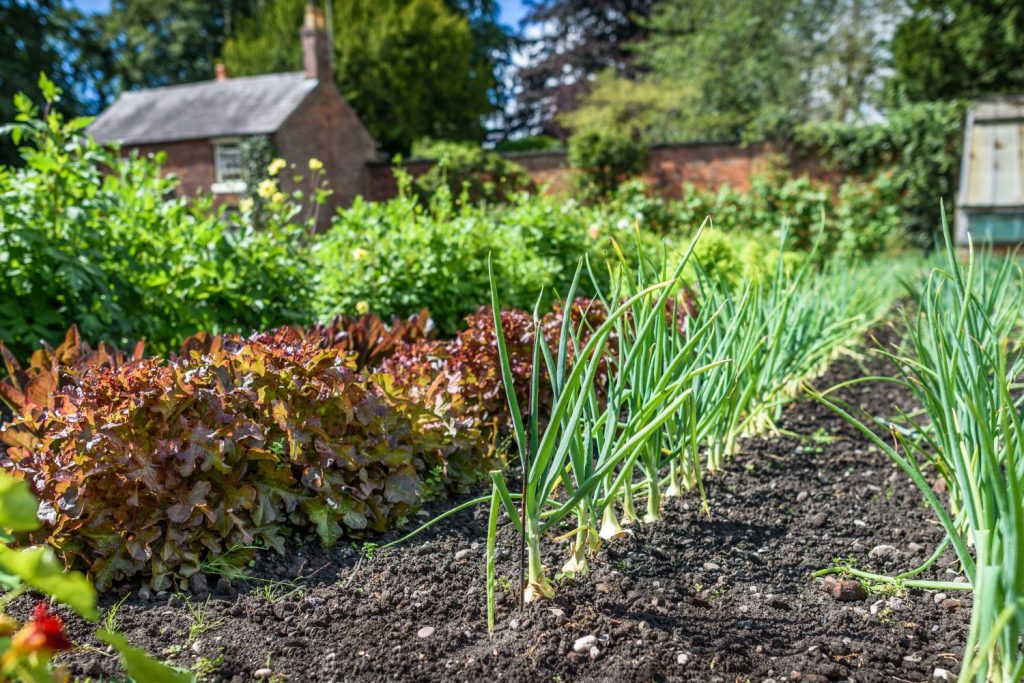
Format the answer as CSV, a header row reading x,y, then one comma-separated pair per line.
x,y
584,644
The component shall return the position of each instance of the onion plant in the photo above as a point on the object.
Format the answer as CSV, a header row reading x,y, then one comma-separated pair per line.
x,y
963,369
588,443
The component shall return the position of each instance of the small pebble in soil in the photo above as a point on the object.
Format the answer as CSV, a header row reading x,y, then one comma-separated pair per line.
x,y
939,597
462,554
683,659
425,632
951,604
802,496
883,552
584,644
594,653
943,675
848,590
711,567
262,673
817,520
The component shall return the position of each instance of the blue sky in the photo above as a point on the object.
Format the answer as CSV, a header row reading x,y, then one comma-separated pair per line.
x,y
511,10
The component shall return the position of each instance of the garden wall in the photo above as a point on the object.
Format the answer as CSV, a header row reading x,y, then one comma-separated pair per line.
x,y
707,165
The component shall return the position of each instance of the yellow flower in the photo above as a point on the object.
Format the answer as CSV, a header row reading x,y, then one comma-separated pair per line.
x,y
266,188
245,204
276,166
315,164
362,307
278,198
359,254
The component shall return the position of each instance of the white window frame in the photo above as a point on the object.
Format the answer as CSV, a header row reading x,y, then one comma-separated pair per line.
x,y
223,184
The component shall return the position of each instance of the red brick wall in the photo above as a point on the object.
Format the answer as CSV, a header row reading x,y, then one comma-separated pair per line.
x,y
705,165
192,162
326,128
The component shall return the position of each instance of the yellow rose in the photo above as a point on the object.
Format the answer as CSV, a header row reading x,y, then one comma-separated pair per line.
x,y
359,254
315,164
362,307
266,189
245,205
276,166
278,198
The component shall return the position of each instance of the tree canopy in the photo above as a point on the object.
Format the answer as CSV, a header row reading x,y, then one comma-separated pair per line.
x,y
959,48
410,68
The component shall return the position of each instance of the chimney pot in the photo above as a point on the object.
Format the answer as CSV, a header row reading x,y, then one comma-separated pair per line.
x,y
221,71
316,55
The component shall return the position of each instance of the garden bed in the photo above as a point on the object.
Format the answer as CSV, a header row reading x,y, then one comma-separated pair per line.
x,y
690,598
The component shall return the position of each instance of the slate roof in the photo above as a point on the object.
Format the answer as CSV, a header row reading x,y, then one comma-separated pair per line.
x,y
254,105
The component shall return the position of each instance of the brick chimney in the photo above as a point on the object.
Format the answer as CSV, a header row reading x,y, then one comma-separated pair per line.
x,y
221,71
316,50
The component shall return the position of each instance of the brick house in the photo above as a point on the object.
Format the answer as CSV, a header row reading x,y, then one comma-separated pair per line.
x,y
200,125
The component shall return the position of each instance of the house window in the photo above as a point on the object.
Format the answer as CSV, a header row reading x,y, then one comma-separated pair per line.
x,y
227,156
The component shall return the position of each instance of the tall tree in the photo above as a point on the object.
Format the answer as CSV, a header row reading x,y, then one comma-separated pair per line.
x,y
410,68
30,31
566,44
847,79
149,43
948,49
745,56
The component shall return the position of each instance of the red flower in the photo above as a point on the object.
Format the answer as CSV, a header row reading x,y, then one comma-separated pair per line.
x,y
44,634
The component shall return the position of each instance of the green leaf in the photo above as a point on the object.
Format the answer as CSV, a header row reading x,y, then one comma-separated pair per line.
x,y
18,507
140,665
325,519
78,123
49,89
39,568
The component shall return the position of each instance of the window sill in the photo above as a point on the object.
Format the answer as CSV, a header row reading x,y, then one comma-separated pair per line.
x,y
231,187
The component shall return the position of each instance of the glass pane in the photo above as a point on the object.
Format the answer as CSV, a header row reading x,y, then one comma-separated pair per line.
x,y
229,163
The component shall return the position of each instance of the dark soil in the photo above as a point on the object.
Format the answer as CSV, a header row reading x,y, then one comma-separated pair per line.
x,y
728,598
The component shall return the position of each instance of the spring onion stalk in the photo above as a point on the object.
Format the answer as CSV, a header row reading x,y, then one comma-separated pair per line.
x,y
544,459
962,368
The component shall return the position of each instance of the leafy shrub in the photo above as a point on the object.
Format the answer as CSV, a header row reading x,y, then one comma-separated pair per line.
x,y
858,219
918,145
533,143
99,241
472,172
394,258
604,161
148,467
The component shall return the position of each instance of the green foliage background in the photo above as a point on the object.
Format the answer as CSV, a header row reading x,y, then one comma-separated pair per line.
x,y
411,69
